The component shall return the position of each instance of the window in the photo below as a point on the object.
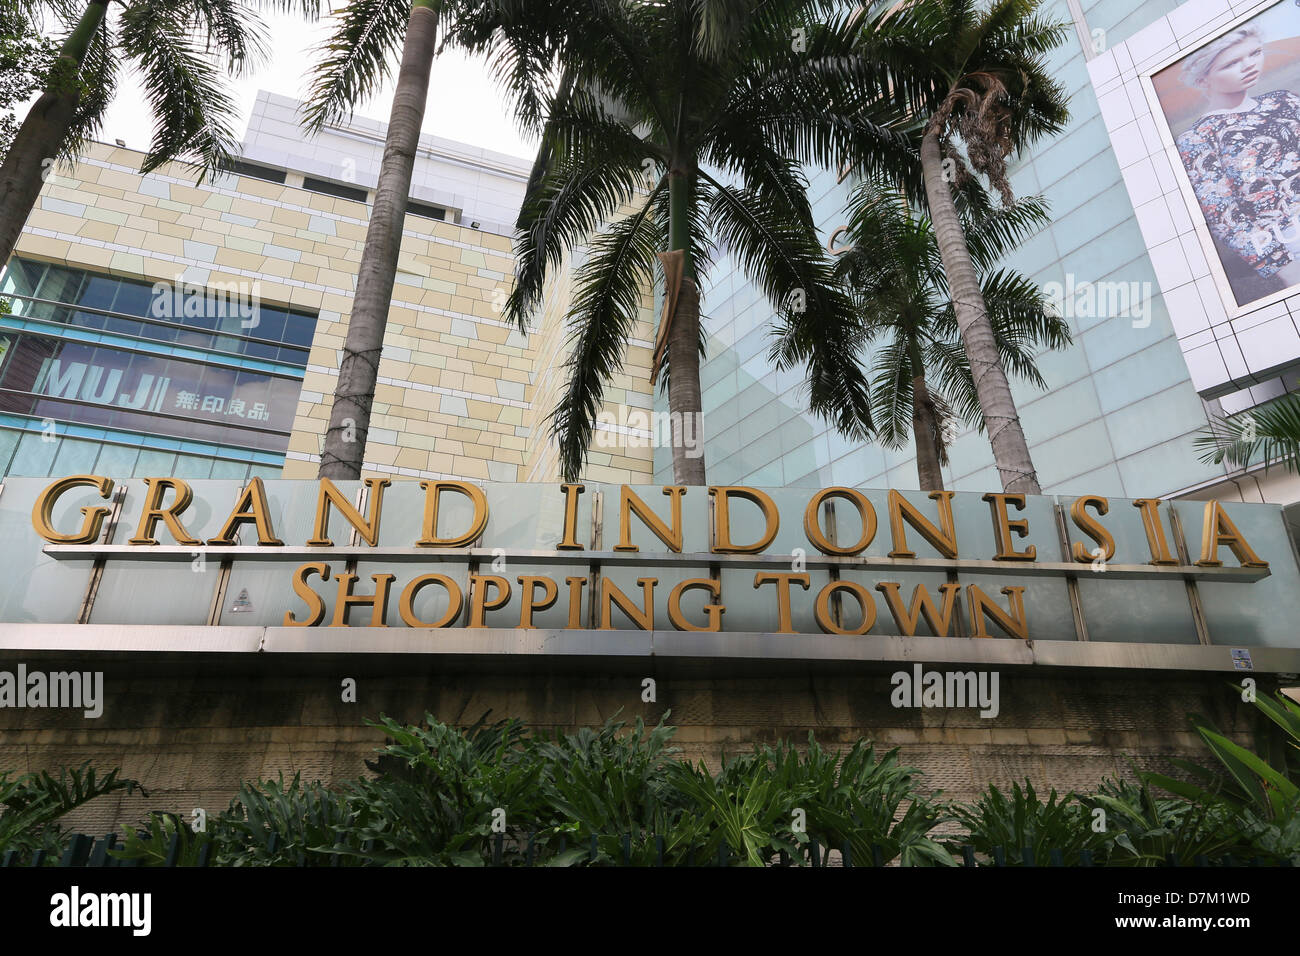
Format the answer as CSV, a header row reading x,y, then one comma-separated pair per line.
x,y
355,193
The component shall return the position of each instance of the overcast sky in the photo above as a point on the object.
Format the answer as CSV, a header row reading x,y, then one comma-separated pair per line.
x,y
464,103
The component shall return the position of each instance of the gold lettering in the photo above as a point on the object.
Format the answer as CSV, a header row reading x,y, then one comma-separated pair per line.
x,y
1155,530
1091,527
713,612
368,527
406,606
315,603
1216,531
576,584
922,605
251,506
377,602
782,580
812,521
433,492
550,592
629,503
982,606
822,608
643,617
43,510
570,540
942,538
479,602
722,543
1003,526
153,511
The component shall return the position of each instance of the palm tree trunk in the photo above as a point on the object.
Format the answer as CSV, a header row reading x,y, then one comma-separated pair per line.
x,y
925,431
39,139
345,440
684,404
1010,451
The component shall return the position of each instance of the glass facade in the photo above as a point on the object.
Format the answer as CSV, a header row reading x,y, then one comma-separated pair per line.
x,y
1120,411
125,377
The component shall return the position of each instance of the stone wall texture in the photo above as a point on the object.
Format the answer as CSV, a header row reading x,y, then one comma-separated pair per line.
x,y
191,730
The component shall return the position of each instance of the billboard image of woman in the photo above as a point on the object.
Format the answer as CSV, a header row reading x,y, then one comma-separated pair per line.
x,y
1233,108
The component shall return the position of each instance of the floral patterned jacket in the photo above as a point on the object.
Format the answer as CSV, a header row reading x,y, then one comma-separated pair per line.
x,y
1245,171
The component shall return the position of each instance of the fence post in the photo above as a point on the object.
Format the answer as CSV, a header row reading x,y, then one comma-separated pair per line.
x,y
968,856
528,854
846,855
814,852
595,850
999,856
659,851
1055,858
627,849
1085,858
173,850
498,847
1027,855
99,855
77,851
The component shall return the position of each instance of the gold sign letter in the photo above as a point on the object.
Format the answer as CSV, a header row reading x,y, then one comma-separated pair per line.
x,y
153,511
432,492
713,612
812,520
722,543
315,603
570,542
782,580
406,606
251,506
822,609
1218,530
378,601
922,605
43,510
643,617
1091,527
943,538
629,502
330,495
530,604
1003,526
982,606
1155,531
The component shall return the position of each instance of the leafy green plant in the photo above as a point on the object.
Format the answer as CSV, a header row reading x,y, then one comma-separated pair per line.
x,y
1143,830
1010,823
440,792
34,802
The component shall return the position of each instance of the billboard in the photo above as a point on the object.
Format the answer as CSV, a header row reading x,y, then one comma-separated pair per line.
x,y
1230,107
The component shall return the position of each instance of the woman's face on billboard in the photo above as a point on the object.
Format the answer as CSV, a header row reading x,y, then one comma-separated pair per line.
x,y
1236,69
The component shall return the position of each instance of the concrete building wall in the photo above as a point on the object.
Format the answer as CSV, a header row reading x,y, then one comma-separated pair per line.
x,y
191,732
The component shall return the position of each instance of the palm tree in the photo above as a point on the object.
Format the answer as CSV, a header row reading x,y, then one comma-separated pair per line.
x,y
907,319
180,48
354,66
975,74
719,102
1269,434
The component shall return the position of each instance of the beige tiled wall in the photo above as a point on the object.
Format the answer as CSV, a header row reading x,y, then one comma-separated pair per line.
x,y
461,394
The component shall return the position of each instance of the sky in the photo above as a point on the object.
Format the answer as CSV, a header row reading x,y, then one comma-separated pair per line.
x,y
464,103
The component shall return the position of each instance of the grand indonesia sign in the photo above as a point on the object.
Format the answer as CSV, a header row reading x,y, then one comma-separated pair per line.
x,y
324,587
